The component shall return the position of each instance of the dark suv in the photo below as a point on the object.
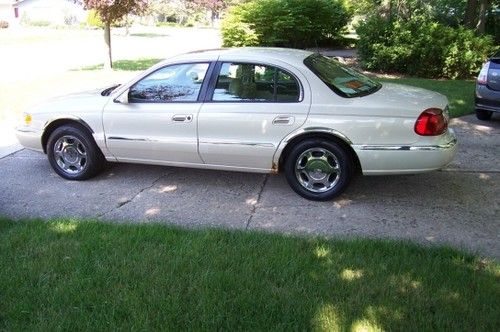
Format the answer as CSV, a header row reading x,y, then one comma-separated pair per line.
x,y
488,88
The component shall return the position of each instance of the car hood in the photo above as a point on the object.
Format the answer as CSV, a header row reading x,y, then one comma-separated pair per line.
x,y
75,103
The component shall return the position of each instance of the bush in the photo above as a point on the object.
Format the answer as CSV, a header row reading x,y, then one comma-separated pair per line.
x,y
285,23
421,48
4,24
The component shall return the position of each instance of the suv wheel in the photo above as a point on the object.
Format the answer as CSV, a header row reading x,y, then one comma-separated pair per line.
x,y
483,114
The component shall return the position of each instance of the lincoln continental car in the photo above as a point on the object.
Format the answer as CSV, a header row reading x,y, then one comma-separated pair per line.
x,y
263,110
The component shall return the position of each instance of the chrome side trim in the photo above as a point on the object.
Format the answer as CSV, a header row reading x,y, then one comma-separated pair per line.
x,y
117,138
262,145
444,146
168,140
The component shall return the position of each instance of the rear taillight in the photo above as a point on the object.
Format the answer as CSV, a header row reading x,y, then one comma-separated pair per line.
x,y
431,122
483,74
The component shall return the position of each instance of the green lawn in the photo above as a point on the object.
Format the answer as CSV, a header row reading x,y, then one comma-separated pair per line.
x,y
139,64
67,275
460,93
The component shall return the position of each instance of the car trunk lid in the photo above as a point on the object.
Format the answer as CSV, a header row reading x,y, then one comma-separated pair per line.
x,y
493,80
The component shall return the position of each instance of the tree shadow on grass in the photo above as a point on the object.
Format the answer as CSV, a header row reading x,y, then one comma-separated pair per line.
x,y
69,274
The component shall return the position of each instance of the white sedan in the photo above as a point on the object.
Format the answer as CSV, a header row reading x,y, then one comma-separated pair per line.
x,y
265,110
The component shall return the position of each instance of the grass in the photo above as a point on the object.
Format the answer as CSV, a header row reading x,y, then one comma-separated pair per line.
x,y
68,275
129,65
460,93
148,35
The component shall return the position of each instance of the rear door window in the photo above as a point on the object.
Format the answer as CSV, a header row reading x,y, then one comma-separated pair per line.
x,y
247,82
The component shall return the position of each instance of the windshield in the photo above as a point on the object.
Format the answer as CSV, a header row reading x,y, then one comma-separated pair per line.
x,y
343,80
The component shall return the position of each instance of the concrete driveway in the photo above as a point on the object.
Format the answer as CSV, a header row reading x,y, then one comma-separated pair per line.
x,y
458,206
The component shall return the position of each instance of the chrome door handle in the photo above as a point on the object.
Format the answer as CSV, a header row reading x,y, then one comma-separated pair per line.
x,y
182,118
283,120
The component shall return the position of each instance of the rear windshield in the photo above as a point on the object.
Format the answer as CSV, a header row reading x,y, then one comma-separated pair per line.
x,y
342,79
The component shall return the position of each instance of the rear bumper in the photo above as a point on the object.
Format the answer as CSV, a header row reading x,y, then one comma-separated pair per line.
x,y
487,99
29,138
407,159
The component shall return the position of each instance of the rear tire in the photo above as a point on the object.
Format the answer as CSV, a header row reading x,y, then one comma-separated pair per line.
x,y
73,154
318,170
483,115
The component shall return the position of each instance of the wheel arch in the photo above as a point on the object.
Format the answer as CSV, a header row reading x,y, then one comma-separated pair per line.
x,y
52,125
313,133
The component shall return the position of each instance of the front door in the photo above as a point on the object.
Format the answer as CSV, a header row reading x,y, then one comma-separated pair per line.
x,y
159,121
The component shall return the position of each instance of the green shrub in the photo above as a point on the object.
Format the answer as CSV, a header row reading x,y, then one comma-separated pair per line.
x,y
286,23
421,48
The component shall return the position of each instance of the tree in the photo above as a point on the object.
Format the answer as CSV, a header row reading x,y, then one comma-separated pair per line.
x,y
470,18
484,7
214,6
111,11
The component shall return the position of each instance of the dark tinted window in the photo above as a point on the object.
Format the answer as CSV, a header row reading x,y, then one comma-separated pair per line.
x,y
257,83
170,84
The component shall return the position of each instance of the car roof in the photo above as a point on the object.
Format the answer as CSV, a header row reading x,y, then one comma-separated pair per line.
x,y
289,55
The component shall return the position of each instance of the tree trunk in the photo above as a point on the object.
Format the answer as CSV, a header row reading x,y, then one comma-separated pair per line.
x,y
470,18
108,61
127,25
483,9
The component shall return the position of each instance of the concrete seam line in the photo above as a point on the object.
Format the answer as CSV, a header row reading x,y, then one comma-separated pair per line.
x,y
469,170
10,154
254,206
121,204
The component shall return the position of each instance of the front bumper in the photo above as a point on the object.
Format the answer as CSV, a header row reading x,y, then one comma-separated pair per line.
x,y
407,159
30,138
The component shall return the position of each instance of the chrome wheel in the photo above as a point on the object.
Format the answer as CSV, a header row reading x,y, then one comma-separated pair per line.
x,y
317,170
70,154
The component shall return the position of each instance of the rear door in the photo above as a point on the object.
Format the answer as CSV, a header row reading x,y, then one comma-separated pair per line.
x,y
251,107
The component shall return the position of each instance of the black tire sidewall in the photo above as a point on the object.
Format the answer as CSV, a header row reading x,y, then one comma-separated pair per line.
x,y
345,163
483,115
94,155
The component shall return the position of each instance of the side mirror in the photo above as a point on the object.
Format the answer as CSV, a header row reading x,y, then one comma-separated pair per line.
x,y
123,98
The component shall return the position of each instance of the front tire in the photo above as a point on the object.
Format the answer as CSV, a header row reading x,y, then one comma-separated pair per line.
x,y
73,154
483,115
318,170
